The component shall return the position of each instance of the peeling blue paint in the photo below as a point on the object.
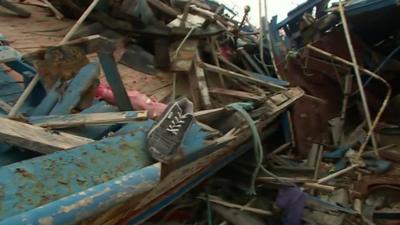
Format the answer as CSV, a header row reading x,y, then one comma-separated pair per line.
x,y
35,182
41,182
76,88
10,90
83,205
48,102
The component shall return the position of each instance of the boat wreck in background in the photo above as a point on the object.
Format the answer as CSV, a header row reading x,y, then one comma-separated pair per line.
x,y
79,98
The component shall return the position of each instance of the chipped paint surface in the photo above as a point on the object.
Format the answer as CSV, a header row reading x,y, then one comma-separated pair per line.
x,y
79,183
81,206
82,203
32,183
48,220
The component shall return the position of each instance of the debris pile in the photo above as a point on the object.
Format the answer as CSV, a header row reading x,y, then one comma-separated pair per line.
x,y
341,166
183,112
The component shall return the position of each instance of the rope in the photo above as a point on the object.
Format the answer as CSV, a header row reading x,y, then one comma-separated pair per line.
x,y
241,108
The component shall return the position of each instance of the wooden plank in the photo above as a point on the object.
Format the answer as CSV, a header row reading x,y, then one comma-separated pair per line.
x,y
35,33
213,45
162,93
270,106
74,120
202,83
232,74
279,99
236,94
95,132
190,21
183,60
194,90
275,103
42,31
36,138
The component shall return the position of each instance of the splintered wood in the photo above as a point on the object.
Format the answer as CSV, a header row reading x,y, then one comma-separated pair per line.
x,y
75,120
36,138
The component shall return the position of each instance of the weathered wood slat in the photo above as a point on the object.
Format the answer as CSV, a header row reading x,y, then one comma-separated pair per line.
x,y
232,74
283,100
183,61
74,120
202,83
95,132
36,138
213,46
236,94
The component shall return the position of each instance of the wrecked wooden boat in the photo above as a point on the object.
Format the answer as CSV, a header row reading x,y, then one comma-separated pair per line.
x,y
74,146
75,176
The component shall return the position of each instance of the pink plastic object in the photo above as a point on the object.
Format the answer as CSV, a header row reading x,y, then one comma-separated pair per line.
x,y
138,100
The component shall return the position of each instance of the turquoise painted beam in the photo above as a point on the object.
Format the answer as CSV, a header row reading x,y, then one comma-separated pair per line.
x,y
10,89
29,185
48,102
82,206
32,183
76,89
